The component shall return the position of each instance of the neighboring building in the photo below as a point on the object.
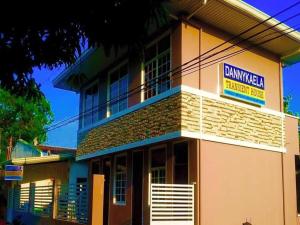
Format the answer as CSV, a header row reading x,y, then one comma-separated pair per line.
x,y
53,187
52,150
203,145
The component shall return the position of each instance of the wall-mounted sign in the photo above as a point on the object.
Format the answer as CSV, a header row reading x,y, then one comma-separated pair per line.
x,y
13,172
242,84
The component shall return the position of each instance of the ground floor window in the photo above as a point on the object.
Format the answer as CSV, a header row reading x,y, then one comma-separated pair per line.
x,y
24,193
181,163
96,167
120,180
43,197
158,166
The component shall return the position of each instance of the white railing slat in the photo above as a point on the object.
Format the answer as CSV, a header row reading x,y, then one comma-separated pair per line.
x,y
171,204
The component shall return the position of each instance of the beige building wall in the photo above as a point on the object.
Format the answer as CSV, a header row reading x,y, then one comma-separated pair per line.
x,y
59,171
198,39
240,184
289,173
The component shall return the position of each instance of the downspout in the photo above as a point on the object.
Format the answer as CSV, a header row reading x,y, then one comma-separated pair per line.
x,y
202,3
199,141
198,183
282,160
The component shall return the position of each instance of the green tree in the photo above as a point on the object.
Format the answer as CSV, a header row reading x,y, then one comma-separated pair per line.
x,y
23,117
286,108
50,33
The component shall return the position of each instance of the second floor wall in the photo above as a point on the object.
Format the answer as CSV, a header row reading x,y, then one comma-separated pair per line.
x,y
127,82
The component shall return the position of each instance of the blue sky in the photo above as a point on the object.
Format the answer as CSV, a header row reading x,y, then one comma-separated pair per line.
x,y
291,75
65,103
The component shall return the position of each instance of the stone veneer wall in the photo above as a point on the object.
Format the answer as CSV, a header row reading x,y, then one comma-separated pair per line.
x,y
181,112
154,120
226,120
190,112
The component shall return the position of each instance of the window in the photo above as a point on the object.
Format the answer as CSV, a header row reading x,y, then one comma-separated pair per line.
x,y
120,180
157,67
90,108
158,166
96,167
24,193
118,90
42,197
181,163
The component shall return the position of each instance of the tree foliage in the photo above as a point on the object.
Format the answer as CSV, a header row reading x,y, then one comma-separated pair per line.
x,y
20,118
286,108
50,33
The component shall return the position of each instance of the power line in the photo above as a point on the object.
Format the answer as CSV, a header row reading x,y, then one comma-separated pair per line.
x,y
248,48
220,45
198,57
63,123
72,119
197,69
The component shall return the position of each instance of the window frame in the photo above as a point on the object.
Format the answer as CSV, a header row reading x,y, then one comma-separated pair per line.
x,y
150,161
188,158
156,58
115,202
110,72
83,108
150,167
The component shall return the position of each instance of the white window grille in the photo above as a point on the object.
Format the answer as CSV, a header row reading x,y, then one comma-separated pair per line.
x,y
118,89
157,68
120,182
90,105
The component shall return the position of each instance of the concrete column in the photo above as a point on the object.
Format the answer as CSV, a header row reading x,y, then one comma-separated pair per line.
x,y
97,197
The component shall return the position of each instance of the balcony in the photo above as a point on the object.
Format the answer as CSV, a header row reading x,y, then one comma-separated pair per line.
x,y
185,112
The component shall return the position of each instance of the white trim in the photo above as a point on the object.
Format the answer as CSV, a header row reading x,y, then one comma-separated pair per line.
x,y
177,134
214,138
219,79
201,113
292,116
241,143
142,82
229,101
189,134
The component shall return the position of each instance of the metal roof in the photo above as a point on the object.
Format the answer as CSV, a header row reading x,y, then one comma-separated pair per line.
x,y
235,16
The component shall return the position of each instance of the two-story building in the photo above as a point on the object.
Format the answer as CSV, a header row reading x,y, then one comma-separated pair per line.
x,y
188,141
